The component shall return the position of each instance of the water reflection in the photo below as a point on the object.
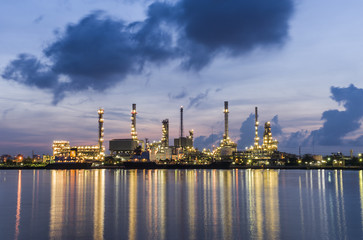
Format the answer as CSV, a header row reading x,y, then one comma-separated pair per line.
x,y
72,194
361,194
183,204
18,204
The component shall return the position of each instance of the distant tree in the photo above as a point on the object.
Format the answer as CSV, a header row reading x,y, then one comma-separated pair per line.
x,y
109,160
292,162
27,160
353,162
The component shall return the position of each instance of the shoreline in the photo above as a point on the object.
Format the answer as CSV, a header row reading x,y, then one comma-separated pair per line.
x,y
191,166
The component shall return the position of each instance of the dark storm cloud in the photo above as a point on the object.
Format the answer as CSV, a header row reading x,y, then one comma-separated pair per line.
x,y
337,124
100,51
231,26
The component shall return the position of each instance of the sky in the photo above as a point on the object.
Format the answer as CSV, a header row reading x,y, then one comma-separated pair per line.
x,y
299,62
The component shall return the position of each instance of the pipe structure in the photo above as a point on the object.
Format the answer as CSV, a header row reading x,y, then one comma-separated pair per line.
x,y
100,135
225,119
133,122
256,145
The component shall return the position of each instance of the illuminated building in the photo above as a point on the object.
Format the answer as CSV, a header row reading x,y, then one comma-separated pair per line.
x,y
61,149
85,152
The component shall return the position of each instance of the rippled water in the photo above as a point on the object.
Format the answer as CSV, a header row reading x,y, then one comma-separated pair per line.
x,y
181,204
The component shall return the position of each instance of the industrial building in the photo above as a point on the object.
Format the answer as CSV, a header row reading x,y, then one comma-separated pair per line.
x,y
261,154
124,149
62,151
183,149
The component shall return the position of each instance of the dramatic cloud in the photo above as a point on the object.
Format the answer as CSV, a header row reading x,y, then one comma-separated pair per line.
x,y
207,142
295,139
337,124
231,26
276,129
247,131
100,51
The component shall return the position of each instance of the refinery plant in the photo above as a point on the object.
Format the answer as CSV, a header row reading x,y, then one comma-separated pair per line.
x,y
62,151
183,151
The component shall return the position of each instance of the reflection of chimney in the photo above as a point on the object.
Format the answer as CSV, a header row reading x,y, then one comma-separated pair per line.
x,y
133,122
225,119
181,122
256,129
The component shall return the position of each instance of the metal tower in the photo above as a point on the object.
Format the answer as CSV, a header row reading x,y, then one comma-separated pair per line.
x,y
225,136
100,135
133,122
256,145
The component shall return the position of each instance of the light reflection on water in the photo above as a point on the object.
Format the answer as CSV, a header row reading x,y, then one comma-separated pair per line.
x,y
181,204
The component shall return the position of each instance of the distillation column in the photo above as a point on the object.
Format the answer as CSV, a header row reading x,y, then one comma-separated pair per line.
x,y
133,122
165,134
225,136
100,135
256,145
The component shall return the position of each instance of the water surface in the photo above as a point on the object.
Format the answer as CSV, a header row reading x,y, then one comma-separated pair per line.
x,y
181,204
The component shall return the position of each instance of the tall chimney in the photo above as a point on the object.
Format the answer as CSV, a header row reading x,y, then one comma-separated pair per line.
x,y
100,135
133,122
256,145
181,122
225,119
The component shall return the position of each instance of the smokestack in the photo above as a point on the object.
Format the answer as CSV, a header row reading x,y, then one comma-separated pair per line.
x,y
256,145
226,119
133,122
181,122
100,134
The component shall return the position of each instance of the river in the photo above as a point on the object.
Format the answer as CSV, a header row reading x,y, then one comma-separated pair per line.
x,y
181,204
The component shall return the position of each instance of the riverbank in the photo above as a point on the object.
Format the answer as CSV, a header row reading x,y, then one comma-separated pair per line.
x,y
179,166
